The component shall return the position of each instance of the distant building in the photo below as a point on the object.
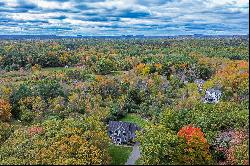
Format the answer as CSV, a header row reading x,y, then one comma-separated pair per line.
x,y
198,35
122,132
200,83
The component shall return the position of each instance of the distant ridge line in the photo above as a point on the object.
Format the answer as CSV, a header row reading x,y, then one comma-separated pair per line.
x,y
14,37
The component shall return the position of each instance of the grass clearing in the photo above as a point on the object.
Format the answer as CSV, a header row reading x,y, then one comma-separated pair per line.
x,y
57,68
133,118
119,154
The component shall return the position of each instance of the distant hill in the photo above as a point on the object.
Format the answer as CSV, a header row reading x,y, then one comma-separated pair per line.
x,y
41,37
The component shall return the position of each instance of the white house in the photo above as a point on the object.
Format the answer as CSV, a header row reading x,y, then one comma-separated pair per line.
x,y
212,95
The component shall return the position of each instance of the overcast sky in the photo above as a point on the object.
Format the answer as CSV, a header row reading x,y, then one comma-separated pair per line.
x,y
117,17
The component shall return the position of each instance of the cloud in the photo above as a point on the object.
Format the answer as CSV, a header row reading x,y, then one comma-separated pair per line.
x,y
115,17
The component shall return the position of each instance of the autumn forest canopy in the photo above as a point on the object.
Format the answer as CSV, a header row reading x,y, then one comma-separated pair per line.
x,y
190,97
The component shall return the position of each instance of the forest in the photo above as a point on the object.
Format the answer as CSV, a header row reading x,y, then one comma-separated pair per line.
x,y
57,97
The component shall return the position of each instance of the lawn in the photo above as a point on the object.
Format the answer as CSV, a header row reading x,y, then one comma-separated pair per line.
x,y
133,118
57,68
119,154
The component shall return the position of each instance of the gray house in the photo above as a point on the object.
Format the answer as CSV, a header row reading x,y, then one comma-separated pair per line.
x,y
212,95
122,132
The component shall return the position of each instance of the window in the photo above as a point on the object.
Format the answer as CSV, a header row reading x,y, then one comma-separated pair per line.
x,y
116,132
118,140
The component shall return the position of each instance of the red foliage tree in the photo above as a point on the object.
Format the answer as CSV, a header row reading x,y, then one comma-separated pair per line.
x,y
194,146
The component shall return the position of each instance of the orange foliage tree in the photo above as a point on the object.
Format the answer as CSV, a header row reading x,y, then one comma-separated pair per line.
x,y
194,146
5,109
234,76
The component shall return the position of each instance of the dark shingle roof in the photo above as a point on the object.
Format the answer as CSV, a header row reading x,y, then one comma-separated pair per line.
x,y
113,125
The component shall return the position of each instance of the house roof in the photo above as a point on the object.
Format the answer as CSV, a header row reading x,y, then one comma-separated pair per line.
x,y
114,125
214,90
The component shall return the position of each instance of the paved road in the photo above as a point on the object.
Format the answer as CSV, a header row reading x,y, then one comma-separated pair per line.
x,y
135,155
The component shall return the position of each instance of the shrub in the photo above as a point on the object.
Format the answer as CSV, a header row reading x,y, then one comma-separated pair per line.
x,y
35,130
205,71
158,145
27,115
105,66
150,59
231,147
5,91
28,67
13,67
57,142
209,117
48,89
146,69
139,68
158,67
5,110
109,88
166,70
32,108
57,107
221,116
174,119
125,64
232,75
36,67
133,100
151,106
22,92
76,74
117,109
240,154
76,103
5,131
57,104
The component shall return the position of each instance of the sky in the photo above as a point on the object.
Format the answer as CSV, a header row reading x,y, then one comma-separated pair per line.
x,y
124,17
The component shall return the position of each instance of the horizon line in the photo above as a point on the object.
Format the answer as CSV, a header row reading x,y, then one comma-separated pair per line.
x,y
79,35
